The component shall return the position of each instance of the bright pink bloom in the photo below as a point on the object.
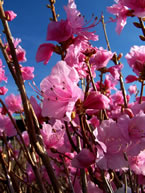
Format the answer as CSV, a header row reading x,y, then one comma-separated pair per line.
x,y
6,126
77,23
138,6
10,15
84,159
131,78
115,71
132,89
137,163
20,52
112,156
3,90
101,58
60,91
52,139
44,52
95,100
136,59
27,72
14,103
121,12
59,31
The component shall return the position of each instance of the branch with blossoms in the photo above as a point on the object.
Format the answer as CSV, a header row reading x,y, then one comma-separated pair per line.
x,y
86,135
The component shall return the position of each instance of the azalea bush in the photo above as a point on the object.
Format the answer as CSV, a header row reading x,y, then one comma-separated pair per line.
x,y
83,133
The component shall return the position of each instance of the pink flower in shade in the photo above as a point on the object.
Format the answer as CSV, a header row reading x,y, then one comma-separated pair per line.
x,y
132,89
110,135
137,163
121,12
3,90
44,52
14,103
6,126
95,100
131,78
136,59
84,159
60,92
26,137
138,6
52,139
59,31
10,15
27,72
77,23
101,58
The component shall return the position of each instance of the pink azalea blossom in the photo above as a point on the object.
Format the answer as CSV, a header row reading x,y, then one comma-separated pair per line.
x,y
121,12
84,159
37,108
3,90
136,59
115,71
95,100
131,78
77,22
10,15
59,31
20,52
101,58
6,126
132,89
138,6
14,103
44,52
137,163
110,135
60,91
27,72
52,139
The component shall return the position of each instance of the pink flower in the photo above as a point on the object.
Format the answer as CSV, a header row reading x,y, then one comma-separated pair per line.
x,y
44,52
3,90
27,73
36,108
121,13
137,163
101,58
59,31
77,23
110,135
132,89
115,71
14,103
84,159
136,59
95,100
131,78
10,15
60,91
20,52
138,6
52,139
6,126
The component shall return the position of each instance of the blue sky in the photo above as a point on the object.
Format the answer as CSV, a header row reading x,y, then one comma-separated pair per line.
x,y
31,25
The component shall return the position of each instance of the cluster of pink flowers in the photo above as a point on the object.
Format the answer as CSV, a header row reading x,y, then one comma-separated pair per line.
x,y
87,124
